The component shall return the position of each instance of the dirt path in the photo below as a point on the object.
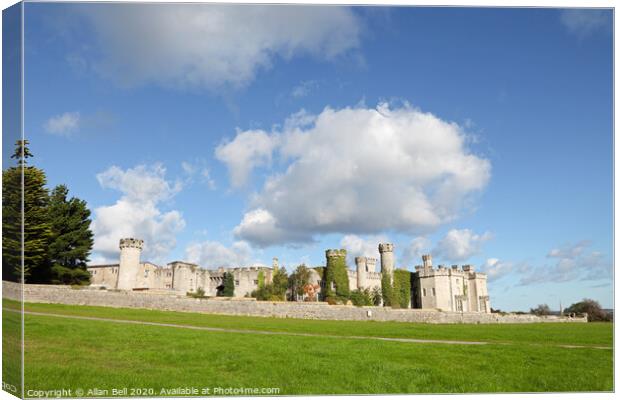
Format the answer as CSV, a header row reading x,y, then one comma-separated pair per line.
x,y
258,332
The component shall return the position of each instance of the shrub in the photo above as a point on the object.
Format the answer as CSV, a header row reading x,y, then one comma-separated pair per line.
x,y
376,296
361,297
198,294
542,309
592,307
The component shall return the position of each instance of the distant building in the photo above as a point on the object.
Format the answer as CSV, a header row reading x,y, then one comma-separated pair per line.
x,y
446,289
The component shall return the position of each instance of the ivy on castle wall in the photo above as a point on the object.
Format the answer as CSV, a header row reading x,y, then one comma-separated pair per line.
x,y
387,291
402,288
336,274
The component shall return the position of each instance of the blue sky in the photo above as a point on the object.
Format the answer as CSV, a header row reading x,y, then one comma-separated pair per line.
x,y
231,135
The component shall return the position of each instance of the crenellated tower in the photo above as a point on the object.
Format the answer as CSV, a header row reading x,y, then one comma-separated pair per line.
x,y
387,258
129,265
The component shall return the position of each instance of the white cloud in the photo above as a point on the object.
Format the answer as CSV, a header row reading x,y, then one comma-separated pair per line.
x,y
365,247
418,247
260,227
303,89
137,213
355,170
497,269
248,150
212,46
198,168
64,124
461,244
571,262
583,22
211,254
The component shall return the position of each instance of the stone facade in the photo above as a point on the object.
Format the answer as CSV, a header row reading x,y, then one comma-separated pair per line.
x,y
445,289
450,289
171,301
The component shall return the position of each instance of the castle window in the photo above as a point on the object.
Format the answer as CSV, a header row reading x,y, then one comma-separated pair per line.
x,y
423,291
433,289
236,283
146,273
256,281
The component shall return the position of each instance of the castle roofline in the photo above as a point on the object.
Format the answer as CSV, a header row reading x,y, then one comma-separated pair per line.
x,y
102,265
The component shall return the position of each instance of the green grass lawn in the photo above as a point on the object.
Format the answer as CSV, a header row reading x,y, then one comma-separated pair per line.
x,y
599,334
69,353
11,352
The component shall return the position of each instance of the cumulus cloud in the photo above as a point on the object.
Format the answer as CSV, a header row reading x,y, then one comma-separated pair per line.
x,y
583,22
248,150
137,213
212,254
64,124
359,246
355,170
497,269
461,244
573,261
416,248
214,46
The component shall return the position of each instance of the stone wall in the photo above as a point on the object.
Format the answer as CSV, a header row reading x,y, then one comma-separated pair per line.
x,y
173,302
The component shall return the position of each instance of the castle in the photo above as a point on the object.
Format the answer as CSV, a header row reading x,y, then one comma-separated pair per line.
x,y
446,289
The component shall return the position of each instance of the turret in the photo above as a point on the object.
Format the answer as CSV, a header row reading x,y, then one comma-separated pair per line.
x,y
387,258
427,261
129,264
371,264
275,264
362,267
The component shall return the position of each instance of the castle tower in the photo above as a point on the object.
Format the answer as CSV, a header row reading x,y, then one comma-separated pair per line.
x,y
336,266
371,264
427,261
387,258
361,265
275,264
129,263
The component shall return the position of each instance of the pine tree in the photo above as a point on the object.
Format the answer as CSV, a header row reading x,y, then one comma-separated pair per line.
x,y
228,289
36,227
72,239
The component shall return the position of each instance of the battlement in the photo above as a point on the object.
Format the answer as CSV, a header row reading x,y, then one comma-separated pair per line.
x,y
360,260
335,253
386,247
131,242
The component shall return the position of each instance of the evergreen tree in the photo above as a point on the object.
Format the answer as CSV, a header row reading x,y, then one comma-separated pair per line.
x,y
35,220
228,287
72,239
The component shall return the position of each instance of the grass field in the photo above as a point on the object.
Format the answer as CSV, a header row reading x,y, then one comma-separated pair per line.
x,y
75,353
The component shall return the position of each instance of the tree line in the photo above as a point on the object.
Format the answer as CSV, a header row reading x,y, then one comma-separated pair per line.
x,y
586,306
53,228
